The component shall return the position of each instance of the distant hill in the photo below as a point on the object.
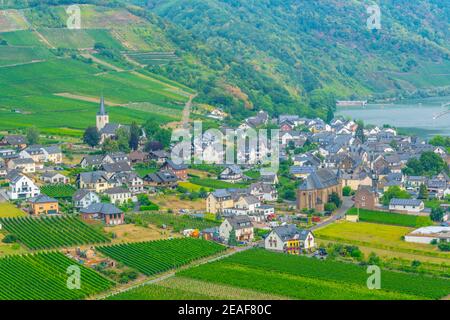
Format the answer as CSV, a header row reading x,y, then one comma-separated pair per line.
x,y
295,56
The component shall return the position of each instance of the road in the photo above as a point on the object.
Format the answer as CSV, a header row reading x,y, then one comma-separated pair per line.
x,y
3,196
187,112
347,203
171,274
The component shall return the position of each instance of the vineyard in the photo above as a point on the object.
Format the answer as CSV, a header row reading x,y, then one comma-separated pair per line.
x,y
52,232
44,276
178,223
306,278
58,191
158,256
152,58
391,218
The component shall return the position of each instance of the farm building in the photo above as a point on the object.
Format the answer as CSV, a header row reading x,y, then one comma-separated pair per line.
x,y
410,206
428,234
289,239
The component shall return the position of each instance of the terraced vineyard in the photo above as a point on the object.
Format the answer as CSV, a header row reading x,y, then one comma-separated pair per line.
x,y
158,256
52,232
152,58
44,276
58,190
307,278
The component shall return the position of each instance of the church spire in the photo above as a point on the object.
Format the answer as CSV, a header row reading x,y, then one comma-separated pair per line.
x,y
102,111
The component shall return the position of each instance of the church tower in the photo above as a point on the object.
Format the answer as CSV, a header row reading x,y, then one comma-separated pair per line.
x,y
102,115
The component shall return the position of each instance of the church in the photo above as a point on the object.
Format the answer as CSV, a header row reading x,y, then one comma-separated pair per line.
x,y
104,127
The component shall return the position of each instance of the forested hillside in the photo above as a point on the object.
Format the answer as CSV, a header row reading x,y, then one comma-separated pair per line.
x,y
282,56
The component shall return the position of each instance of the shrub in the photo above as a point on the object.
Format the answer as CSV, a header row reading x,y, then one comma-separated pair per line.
x,y
347,191
10,238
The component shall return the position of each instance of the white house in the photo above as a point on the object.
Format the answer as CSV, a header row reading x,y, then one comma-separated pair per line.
x,y
22,187
118,195
23,165
54,178
428,234
231,174
83,198
289,239
242,226
411,206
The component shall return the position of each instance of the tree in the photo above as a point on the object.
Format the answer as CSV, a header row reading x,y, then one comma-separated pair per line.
x,y
346,191
153,146
334,198
330,207
428,164
423,192
394,192
437,214
91,136
330,115
110,145
135,133
123,139
32,136
232,238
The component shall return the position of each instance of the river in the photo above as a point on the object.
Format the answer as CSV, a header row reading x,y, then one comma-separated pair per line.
x,y
413,116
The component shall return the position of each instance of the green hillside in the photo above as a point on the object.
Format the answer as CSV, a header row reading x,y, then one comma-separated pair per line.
x,y
282,56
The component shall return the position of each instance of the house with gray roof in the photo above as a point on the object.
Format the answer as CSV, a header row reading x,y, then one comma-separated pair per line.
x,y
242,227
106,212
410,206
289,239
83,198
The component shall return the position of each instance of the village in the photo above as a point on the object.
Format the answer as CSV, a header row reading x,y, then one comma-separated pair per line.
x,y
328,172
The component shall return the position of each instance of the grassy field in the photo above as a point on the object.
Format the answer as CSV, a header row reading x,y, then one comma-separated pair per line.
x,y
128,233
180,288
390,218
29,97
306,278
377,236
7,210
79,39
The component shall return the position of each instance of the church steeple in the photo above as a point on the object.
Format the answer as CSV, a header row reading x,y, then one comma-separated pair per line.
x,y
102,111
102,116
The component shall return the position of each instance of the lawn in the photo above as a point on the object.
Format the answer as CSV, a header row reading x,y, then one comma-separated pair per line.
x,y
390,218
192,187
8,210
377,236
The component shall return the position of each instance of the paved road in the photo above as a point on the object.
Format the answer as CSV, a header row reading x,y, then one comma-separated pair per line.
x,y
187,112
339,214
3,196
